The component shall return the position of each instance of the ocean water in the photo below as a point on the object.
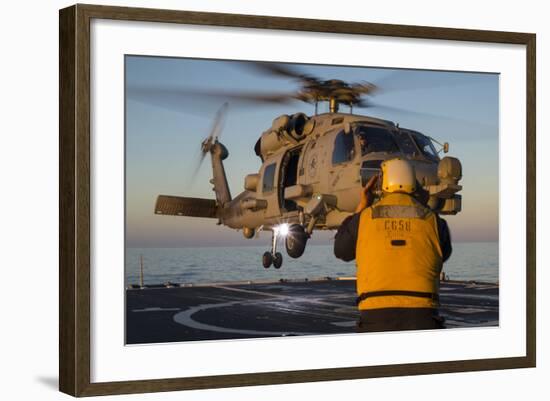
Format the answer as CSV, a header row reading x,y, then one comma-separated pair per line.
x,y
476,261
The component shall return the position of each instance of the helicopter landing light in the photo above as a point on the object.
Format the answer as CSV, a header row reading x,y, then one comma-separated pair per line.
x,y
282,230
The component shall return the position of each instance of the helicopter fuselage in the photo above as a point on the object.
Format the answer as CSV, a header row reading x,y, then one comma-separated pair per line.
x,y
328,161
311,176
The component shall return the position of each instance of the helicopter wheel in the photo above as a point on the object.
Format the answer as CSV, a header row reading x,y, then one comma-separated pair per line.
x,y
278,260
267,259
295,241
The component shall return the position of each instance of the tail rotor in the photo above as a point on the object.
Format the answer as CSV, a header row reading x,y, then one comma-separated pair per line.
x,y
212,138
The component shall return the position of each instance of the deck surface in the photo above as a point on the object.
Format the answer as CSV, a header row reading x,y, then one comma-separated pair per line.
x,y
229,311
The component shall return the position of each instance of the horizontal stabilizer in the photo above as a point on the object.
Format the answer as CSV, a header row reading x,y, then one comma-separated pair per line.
x,y
181,206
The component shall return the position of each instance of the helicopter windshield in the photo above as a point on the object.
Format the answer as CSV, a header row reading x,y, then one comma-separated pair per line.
x,y
343,148
376,139
406,142
426,146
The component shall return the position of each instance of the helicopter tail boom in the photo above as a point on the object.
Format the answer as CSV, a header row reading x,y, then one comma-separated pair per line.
x,y
219,180
182,206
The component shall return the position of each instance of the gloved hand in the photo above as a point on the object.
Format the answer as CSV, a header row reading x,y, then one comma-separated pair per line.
x,y
366,195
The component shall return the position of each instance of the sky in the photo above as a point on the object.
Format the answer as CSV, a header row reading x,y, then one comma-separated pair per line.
x,y
165,126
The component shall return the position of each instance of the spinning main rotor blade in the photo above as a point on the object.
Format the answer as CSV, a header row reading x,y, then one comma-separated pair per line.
x,y
182,100
282,70
413,80
421,114
395,81
314,89
311,90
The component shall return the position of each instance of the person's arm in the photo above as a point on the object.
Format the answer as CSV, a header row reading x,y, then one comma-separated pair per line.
x,y
444,238
345,240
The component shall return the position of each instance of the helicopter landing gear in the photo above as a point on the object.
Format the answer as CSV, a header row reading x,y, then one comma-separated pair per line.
x,y
296,240
267,259
273,257
277,260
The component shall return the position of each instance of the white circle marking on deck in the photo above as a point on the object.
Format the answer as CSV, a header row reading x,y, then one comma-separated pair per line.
x,y
185,318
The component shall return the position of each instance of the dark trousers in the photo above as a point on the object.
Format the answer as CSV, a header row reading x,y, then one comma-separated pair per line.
x,y
395,319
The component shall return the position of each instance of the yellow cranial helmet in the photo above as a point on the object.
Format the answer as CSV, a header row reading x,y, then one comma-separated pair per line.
x,y
398,176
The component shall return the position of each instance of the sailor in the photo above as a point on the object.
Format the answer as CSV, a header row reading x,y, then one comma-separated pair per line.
x,y
399,246
364,144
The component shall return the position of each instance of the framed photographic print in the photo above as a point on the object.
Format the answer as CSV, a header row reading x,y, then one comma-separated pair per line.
x,y
239,192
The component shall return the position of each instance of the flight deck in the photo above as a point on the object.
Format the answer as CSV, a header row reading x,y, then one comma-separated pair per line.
x,y
182,312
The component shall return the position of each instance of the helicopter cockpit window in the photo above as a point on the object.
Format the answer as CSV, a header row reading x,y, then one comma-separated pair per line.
x,y
405,141
426,146
269,178
376,139
343,148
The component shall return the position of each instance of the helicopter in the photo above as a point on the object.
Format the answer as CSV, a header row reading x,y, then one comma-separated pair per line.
x,y
313,166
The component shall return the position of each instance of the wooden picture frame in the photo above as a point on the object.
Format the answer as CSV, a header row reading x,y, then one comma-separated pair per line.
x,y
75,209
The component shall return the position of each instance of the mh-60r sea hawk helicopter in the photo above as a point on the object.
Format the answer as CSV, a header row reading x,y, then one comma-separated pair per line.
x,y
314,166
